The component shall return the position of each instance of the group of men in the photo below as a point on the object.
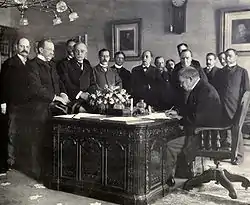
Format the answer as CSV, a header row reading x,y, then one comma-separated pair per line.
x,y
204,97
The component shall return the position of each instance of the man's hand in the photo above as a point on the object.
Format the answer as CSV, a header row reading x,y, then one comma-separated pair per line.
x,y
3,108
60,99
84,95
65,97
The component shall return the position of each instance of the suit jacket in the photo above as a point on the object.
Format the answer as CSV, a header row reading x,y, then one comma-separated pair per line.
x,y
203,107
100,78
73,77
231,83
13,82
166,93
211,75
43,81
125,76
144,85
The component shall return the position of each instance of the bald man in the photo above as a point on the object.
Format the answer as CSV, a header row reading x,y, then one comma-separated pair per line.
x,y
76,70
13,94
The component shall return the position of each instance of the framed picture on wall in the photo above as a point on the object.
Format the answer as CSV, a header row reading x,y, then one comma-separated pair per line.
x,y
126,37
235,30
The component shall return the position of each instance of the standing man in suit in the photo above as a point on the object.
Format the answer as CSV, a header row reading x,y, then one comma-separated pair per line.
x,y
74,70
183,46
124,74
70,54
103,75
13,98
232,83
144,81
203,108
210,70
165,92
44,87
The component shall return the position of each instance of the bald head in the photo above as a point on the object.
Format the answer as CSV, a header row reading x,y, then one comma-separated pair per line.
x,y
80,50
23,47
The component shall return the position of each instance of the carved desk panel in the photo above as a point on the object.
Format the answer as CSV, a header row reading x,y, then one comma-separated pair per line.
x,y
115,162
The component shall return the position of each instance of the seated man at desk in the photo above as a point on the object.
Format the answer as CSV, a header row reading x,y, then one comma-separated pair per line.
x,y
203,108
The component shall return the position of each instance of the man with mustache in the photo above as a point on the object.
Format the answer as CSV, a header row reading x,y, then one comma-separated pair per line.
x,y
44,87
76,70
144,81
211,69
103,75
13,97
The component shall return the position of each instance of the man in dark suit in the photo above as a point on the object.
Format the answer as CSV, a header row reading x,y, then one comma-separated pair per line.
x,y
103,75
13,96
44,87
183,46
232,82
210,70
124,74
166,94
186,61
70,55
203,108
144,81
74,70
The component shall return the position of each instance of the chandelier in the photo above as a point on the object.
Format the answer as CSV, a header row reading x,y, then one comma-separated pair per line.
x,y
53,6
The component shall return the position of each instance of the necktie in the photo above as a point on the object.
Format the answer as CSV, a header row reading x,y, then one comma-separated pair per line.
x,y
80,65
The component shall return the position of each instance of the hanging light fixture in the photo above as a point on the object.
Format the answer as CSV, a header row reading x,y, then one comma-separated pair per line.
x,y
49,6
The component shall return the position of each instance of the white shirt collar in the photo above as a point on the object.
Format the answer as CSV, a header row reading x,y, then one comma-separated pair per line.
x,y
118,66
22,59
103,66
41,57
232,65
197,81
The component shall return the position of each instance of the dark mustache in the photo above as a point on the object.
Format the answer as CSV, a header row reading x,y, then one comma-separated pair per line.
x,y
24,51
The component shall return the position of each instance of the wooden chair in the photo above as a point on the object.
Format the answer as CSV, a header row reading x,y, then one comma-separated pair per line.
x,y
215,152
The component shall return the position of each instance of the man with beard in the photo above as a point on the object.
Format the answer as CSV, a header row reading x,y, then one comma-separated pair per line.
x,y
124,74
13,95
211,69
44,87
103,75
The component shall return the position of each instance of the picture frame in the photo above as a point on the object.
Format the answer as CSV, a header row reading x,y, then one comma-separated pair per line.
x,y
235,30
126,37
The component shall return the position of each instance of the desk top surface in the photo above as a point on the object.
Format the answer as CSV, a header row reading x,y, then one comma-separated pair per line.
x,y
98,118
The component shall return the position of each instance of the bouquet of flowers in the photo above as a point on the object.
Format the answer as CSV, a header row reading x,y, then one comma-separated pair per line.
x,y
108,98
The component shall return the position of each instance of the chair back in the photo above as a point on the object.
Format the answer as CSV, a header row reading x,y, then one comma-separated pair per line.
x,y
207,134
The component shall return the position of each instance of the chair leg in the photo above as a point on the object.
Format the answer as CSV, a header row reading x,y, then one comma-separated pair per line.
x,y
224,181
205,177
237,178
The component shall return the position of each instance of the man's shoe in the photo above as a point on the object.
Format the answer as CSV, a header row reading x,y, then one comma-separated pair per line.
x,y
170,181
237,161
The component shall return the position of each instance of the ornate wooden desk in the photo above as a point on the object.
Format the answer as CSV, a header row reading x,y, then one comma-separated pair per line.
x,y
111,161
